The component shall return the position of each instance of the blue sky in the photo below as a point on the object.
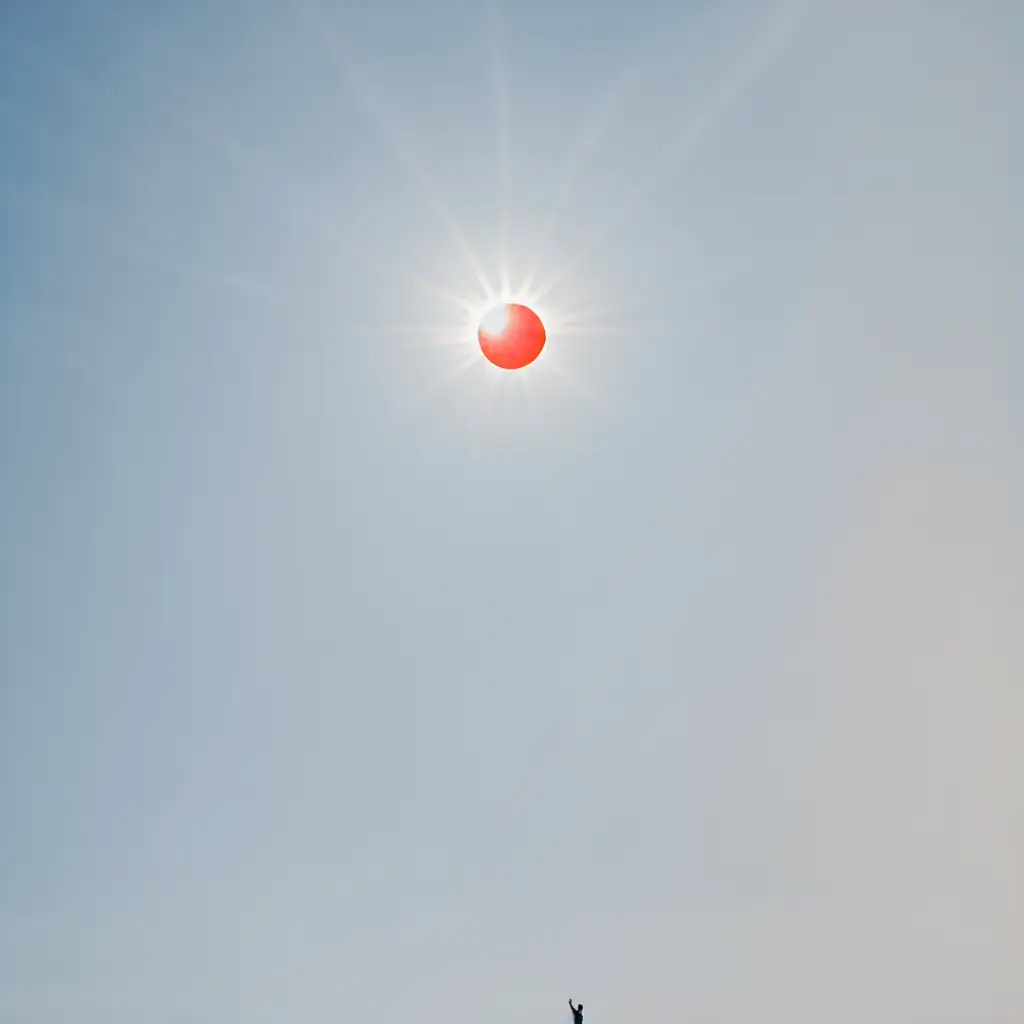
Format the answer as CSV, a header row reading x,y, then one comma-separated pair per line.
x,y
343,676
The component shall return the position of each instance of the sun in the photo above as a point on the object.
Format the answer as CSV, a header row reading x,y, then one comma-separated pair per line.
x,y
511,335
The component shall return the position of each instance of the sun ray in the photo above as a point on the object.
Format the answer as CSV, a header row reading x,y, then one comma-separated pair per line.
x,y
452,298
598,331
446,334
527,396
500,87
387,125
599,124
581,389
483,417
433,386
134,247
139,244
787,16
574,314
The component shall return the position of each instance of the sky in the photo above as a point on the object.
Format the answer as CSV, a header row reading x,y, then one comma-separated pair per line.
x,y
344,676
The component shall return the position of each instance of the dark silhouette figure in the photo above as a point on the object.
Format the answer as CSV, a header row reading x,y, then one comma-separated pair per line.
x,y
577,1013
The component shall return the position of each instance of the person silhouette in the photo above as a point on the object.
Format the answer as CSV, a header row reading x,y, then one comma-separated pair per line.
x,y
577,1013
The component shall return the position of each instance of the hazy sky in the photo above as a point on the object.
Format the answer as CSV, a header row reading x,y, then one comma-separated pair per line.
x,y
346,678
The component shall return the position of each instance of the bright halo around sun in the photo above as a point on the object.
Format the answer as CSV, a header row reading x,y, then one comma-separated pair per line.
x,y
511,335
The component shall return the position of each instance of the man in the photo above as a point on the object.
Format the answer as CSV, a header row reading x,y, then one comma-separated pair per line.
x,y
577,1013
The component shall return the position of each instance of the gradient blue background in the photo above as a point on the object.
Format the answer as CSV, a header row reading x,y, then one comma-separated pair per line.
x,y
680,674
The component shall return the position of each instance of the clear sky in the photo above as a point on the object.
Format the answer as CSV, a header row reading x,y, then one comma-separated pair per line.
x,y
344,677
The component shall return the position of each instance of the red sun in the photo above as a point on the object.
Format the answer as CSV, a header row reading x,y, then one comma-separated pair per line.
x,y
511,336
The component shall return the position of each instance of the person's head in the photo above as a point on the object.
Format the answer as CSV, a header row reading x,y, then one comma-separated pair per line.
x,y
580,1006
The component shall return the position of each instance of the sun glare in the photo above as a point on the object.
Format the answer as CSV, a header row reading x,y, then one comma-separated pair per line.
x,y
494,320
